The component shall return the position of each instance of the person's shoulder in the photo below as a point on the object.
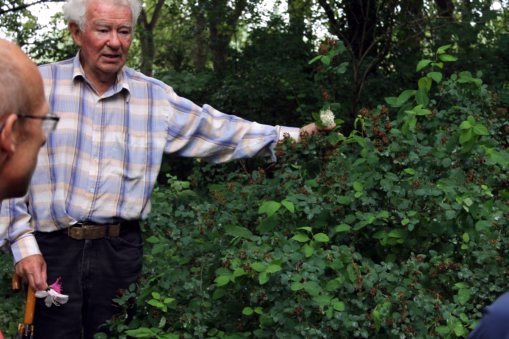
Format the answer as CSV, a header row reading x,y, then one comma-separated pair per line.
x,y
49,68
139,79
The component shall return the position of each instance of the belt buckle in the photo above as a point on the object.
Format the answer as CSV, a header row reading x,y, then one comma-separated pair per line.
x,y
92,232
75,232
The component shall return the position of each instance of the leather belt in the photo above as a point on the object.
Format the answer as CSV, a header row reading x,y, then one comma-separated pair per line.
x,y
92,231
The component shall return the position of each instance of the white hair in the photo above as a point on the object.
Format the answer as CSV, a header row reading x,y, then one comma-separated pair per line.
x,y
75,10
13,93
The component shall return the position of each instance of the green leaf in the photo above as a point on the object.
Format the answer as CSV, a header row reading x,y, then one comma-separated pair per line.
x,y
447,58
421,97
263,278
338,305
312,288
422,64
333,285
308,250
420,111
344,199
335,138
396,233
296,286
153,239
443,330
464,296
238,231
436,76
401,99
258,266
466,125
273,268
157,304
482,225
358,186
168,300
466,136
158,248
481,130
342,228
391,101
315,59
162,322
269,208
141,332
443,49
288,205
300,237
424,84
322,300
222,280
321,237
247,311
239,272
404,96
326,60
351,273
459,329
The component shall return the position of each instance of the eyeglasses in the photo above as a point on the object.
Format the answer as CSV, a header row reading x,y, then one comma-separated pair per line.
x,y
49,122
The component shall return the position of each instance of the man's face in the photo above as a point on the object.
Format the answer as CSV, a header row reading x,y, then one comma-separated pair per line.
x,y
105,41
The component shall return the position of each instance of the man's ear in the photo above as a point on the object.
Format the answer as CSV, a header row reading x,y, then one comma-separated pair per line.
x,y
75,31
7,135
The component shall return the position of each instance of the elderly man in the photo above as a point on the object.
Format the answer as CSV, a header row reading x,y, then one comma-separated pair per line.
x,y
98,169
23,123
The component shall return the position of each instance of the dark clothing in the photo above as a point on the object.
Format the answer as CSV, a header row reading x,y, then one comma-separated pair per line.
x,y
92,272
495,321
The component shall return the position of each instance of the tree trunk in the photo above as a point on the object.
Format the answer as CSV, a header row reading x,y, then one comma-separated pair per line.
x,y
223,22
200,48
297,12
147,37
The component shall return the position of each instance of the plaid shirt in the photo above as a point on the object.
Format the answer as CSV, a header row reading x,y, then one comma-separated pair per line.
x,y
101,163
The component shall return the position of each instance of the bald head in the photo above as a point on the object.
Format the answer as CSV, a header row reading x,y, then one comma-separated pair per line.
x,y
22,109
20,81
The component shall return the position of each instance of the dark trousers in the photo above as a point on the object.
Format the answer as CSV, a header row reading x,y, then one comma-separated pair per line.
x,y
92,272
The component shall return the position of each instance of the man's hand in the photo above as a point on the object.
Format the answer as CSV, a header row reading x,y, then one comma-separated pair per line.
x,y
33,270
312,128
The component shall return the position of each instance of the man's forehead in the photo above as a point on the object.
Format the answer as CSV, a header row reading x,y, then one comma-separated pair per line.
x,y
126,24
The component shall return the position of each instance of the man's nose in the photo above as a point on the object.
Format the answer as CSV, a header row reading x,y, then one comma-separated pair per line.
x,y
114,41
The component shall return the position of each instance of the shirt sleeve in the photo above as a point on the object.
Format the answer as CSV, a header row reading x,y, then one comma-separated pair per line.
x,y
207,133
18,231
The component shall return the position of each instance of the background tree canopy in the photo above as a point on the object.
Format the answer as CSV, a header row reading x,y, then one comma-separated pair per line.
x,y
396,228
252,57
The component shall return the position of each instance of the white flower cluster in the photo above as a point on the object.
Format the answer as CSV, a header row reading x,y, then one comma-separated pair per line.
x,y
327,118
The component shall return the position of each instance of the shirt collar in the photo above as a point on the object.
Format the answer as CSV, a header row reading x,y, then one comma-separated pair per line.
x,y
120,85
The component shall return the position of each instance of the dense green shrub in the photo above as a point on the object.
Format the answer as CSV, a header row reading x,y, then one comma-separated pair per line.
x,y
397,230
